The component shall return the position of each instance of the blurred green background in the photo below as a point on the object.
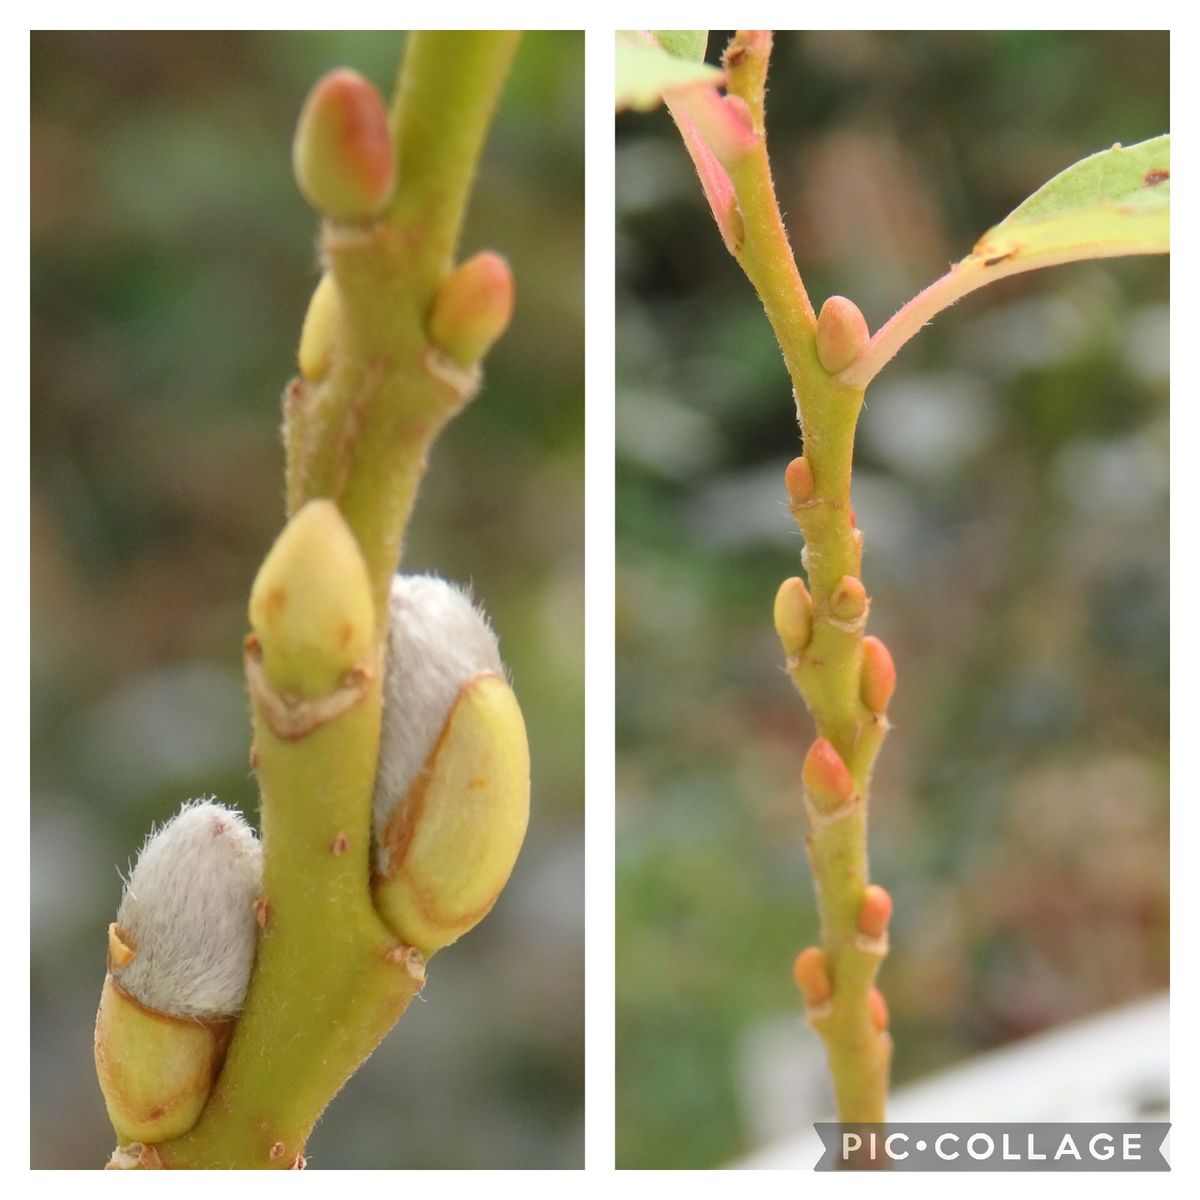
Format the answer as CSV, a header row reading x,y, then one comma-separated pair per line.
x,y
1011,481
172,261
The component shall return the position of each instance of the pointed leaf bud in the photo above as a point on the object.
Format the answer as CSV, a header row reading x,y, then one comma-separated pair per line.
x,y
472,308
849,599
342,154
812,976
878,680
879,1010
826,778
841,333
875,911
793,616
452,790
320,329
180,956
310,607
799,481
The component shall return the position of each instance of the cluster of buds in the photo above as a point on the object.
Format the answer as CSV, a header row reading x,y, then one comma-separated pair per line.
x,y
344,161
811,967
451,797
450,808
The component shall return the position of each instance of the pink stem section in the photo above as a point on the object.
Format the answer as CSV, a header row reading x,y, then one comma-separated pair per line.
x,y
963,278
714,179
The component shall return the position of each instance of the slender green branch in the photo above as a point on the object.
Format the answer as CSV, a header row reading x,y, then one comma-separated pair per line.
x,y
825,657
766,253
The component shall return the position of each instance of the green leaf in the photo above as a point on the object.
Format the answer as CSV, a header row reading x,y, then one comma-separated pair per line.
x,y
646,71
689,44
1114,202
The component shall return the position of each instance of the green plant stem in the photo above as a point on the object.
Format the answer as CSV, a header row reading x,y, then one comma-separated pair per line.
x,y
330,980
371,423
827,674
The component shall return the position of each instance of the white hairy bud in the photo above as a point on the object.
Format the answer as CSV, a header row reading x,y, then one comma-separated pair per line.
x,y
186,923
438,640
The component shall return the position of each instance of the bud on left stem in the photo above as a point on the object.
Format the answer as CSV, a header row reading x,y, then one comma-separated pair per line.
x,y
310,606
452,791
342,154
472,308
179,960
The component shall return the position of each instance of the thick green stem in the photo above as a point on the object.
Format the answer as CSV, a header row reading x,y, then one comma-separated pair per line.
x,y
330,980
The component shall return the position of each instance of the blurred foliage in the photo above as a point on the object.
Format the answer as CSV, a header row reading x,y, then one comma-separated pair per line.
x,y
172,260
1011,481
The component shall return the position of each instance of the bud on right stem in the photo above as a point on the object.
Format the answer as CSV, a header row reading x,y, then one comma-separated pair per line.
x,y
841,334
826,777
878,679
875,911
812,976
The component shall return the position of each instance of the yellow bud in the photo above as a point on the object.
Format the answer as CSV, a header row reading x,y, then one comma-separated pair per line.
x,y
451,842
156,1071
793,615
841,333
472,308
849,599
320,330
310,607
342,154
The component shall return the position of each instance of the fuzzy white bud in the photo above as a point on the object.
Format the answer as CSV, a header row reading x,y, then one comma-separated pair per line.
x,y
187,914
438,641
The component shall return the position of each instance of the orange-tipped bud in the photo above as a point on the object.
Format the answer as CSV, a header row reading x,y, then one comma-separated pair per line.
x,y
878,680
875,911
841,333
849,599
826,778
473,308
799,480
793,615
879,1010
811,975
342,154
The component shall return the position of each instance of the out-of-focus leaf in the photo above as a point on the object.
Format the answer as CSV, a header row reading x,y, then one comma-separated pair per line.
x,y
683,43
646,71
